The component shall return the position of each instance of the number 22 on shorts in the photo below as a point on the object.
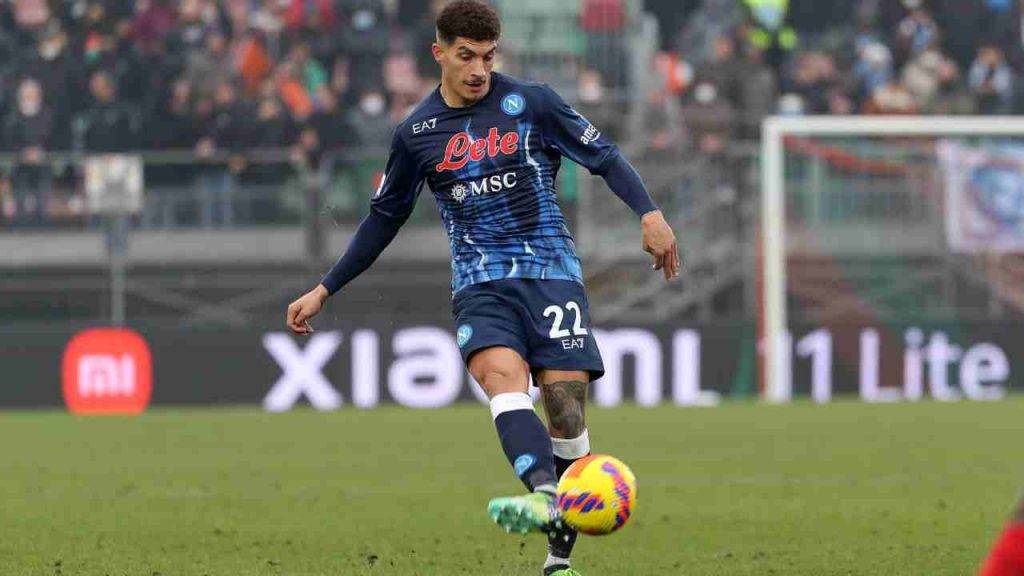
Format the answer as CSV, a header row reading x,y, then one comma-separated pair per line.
x,y
556,326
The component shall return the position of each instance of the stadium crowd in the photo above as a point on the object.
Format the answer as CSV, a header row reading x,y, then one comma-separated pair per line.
x,y
216,77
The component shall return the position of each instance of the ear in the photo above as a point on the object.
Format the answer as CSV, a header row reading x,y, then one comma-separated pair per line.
x,y
437,51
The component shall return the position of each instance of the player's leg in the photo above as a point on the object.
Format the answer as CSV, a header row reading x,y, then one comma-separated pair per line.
x,y
504,377
1007,555
564,394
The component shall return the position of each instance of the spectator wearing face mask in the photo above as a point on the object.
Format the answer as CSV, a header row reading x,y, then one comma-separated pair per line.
x,y
365,40
27,131
370,120
709,120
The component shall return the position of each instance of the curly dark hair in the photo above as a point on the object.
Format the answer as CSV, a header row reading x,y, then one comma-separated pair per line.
x,y
471,19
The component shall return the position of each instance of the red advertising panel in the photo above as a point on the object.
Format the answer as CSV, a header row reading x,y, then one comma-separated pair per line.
x,y
107,371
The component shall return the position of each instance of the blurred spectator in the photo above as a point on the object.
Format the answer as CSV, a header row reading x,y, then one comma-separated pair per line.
x,y
308,15
370,120
108,125
364,42
923,76
208,68
916,32
227,132
814,74
952,97
767,31
173,125
891,99
27,131
991,81
604,23
153,21
709,120
327,129
757,92
59,71
839,103
663,124
711,20
873,68
724,69
422,37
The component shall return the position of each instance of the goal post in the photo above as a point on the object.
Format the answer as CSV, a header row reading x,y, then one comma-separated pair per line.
x,y
778,134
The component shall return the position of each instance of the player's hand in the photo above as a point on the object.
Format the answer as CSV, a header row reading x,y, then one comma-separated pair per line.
x,y
660,242
307,306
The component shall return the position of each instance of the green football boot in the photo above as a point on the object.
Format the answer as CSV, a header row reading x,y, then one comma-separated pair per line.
x,y
563,572
534,512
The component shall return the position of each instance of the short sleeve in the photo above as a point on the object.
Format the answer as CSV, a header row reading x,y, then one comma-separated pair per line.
x,y
572,135
396,195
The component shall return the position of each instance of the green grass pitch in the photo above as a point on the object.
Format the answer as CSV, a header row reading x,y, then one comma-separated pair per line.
x,y
847,489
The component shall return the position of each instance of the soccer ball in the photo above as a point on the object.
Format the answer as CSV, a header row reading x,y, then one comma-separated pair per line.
x,y
597,494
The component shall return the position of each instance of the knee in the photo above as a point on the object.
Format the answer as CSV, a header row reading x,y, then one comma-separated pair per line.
x,y
502,380
497,375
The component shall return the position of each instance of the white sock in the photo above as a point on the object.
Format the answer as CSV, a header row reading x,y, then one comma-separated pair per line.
x,y
547,489
509,402
572,448
555,561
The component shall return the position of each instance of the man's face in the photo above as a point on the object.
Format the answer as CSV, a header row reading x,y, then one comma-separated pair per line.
x,y
102,88
466,67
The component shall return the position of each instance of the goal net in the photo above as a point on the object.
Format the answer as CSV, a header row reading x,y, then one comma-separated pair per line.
x,y
890,257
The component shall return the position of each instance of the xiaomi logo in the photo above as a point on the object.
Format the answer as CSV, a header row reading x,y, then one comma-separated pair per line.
x,y
107,371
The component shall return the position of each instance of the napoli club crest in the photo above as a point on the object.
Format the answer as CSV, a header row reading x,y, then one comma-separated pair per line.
x,y
513,104
459,192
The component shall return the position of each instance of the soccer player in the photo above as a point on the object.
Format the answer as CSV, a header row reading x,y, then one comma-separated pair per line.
x,y
489,146
1007,555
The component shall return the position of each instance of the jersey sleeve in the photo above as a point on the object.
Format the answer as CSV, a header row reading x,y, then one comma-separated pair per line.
x,y
389,209
396,195
567,131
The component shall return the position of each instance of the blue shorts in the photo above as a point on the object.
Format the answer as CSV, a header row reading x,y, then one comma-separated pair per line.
x,y
546,321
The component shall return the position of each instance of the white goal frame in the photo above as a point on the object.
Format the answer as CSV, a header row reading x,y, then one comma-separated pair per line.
x,y
775,385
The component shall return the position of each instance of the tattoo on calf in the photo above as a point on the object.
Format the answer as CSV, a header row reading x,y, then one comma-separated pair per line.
x,y
564,402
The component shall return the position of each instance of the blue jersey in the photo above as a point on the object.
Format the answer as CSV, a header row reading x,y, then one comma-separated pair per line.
x,y
492,168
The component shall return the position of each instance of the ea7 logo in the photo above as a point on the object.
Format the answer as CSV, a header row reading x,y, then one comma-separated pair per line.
x,y
425,125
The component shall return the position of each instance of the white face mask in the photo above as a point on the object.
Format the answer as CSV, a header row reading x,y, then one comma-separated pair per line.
x,y
372,105
591,92
30,106
705,93
364,20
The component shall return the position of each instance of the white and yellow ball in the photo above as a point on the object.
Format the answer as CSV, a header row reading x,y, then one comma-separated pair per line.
x,y
597,494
